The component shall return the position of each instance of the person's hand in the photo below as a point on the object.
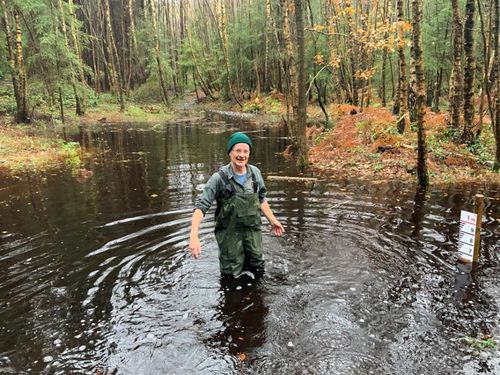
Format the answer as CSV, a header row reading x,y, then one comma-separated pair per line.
x,y
277,229
194,246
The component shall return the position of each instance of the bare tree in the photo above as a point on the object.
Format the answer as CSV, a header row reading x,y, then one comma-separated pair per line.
x,y
159,62
9,37
404,120
423,179
456,89
468,135
22,107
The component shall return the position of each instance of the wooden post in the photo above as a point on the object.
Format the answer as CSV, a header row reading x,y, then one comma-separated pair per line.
x,y
478,210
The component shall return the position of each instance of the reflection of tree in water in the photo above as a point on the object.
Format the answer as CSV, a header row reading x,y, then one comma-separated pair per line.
x,y
242,311
418,212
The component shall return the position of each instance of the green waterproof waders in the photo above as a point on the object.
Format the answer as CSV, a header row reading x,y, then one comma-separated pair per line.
x,y
238,231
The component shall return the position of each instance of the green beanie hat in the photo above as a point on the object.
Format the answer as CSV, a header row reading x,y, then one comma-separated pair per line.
x,y
238,137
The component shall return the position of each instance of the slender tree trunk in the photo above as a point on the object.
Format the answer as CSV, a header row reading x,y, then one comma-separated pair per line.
x,y
353,57
456,92
395,94
171,35
79,111
204,85
56,47
267,42
159,63
468,135
423,179
496,65
132,45
404,121
318,88
412,89
437,90
22,109
221,11
10,54
383,78
292,99
77,49
439,78
114,66
383,69
485,90
282,83
300,120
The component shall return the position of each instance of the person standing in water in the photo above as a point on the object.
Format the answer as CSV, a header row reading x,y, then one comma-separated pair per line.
x,y
240,192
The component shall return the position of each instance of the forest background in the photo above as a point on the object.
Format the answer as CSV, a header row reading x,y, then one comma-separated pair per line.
x,y
405,77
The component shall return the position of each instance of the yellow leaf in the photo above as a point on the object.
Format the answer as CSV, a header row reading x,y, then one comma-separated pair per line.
x,y
406,26
242,357
318,59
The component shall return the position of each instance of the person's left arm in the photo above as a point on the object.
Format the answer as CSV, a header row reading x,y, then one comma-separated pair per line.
x,y
276,227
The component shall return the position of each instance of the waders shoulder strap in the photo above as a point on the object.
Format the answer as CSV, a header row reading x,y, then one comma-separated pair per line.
x,y
255,185
229,189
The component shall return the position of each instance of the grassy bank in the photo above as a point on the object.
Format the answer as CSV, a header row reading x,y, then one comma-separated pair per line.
x,y
22,152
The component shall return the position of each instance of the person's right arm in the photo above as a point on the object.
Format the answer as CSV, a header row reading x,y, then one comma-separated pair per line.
x,y
201,207
194,239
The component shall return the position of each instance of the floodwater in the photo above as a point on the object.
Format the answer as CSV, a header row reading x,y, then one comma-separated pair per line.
x,y
96,276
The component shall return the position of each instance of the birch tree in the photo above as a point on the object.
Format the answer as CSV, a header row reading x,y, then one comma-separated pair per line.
x,y
404,120
22,105
456,91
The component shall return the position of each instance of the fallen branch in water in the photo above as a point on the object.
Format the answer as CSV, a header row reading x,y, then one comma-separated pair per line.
x,y
291,178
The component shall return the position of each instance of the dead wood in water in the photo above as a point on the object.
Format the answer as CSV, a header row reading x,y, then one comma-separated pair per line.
x,y
292,178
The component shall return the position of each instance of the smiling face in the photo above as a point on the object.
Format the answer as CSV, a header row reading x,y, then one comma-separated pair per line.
x,y
239,156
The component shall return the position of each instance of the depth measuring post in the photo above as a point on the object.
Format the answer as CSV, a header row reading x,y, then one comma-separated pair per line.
x,y
469,237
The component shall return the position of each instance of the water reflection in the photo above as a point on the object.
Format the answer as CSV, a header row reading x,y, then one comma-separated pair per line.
x,y
242,312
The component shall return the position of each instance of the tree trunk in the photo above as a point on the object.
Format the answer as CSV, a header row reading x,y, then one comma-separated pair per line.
x,y
72,68
204,85
412,89
77,49
437,90
315,81
22,107
269,22
292,99
10,55
132,45
383,72
57,38
171,36
383,78
159,63
221,11
496,65
404,120
114,66
423,179
456,90
300,120
468,135
485,89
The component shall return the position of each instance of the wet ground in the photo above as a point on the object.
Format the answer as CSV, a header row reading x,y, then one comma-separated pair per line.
x,y
95,272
